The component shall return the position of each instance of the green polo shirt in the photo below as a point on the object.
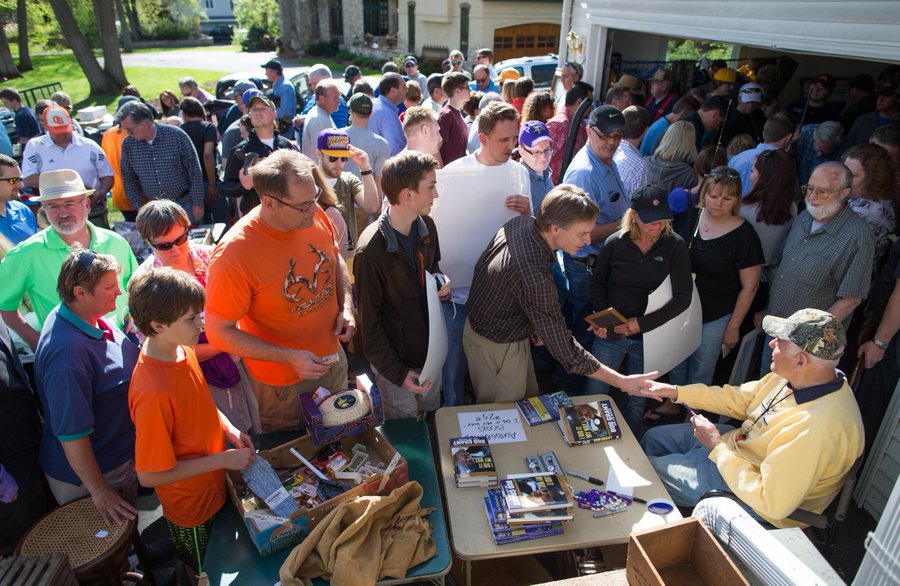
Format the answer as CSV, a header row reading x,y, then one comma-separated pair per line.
x,y
32,268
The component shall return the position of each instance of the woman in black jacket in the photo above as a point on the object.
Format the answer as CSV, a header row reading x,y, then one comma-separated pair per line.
x,y
632,263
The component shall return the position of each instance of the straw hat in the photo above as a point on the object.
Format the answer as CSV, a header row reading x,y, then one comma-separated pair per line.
x,y
61,184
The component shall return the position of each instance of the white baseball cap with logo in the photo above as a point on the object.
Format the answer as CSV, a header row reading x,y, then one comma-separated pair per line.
x,y
56,120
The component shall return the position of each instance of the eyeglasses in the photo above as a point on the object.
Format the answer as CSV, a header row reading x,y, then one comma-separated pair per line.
x,y
169,245
813,191
409,65
547,152
260,110
86,258
615,136
723,171
302,208
12,180
69,206
336,159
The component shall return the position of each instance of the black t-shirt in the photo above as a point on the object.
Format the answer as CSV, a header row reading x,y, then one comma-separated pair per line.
x,y
408,243
717,264
200,132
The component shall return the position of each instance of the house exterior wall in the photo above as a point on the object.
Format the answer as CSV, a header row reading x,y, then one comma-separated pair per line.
x,y
437,22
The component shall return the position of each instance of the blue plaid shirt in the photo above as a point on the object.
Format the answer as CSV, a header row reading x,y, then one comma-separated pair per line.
x,y
165,168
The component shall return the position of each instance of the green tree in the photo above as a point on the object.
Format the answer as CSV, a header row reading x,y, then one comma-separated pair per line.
x,y
261,14
691,50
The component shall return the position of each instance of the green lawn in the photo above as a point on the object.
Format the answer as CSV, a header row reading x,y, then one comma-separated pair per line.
x,y
150,80
63,68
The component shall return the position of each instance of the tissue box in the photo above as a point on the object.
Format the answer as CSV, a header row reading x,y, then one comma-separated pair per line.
x,y
322,434
288,533
92,113
682,552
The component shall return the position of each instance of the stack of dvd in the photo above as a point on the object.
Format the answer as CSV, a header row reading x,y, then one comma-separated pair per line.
x,y
473,464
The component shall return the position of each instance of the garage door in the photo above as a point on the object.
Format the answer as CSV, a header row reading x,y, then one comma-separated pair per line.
x,y
525,40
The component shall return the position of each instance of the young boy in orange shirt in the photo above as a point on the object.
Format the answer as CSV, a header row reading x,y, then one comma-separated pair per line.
x,y
180,435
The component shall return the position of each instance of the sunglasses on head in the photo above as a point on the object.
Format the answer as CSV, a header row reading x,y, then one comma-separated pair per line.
x,y
86,258
13,180
169,245
723,171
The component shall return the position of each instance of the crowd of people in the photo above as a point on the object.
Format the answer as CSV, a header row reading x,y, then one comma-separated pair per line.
x,y
146,372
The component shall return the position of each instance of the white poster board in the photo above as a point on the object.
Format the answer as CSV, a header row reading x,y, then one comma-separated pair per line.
x,y
500,427
669,344
437,333
469,210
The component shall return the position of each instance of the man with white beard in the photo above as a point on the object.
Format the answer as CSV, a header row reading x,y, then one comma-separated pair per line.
x,y
826,261
33,266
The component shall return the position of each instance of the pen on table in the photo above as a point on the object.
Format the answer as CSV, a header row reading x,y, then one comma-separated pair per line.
x,y
590,479
633,498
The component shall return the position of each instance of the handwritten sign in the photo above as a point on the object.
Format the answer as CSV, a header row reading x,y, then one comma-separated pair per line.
x,y
499,427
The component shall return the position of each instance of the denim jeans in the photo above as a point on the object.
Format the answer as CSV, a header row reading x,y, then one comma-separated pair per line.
x,y
576,304
700,366
611,353
216,211
455,366
682,463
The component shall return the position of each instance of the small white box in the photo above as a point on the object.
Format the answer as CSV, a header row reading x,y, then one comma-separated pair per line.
x,y
92,114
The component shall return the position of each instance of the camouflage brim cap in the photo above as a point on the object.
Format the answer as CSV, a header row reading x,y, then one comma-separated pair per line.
x,y
815,331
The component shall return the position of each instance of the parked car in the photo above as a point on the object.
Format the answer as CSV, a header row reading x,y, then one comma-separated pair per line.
x,y
540,69
8,117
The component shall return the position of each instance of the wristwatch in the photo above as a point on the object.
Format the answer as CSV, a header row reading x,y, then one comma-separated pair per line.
x,y
881,345
366,172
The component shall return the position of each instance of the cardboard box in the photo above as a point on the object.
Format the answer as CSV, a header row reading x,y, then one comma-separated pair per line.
x,y
682,552
321,434
92,113
292,532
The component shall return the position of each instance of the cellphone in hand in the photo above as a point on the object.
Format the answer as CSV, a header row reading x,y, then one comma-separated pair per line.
x,y
441,280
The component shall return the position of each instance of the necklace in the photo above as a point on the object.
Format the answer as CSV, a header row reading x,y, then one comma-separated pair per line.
x,y
772,404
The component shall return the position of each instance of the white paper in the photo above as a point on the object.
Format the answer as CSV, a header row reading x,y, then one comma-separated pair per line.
x,y
500,427
468,212
668,345
437,333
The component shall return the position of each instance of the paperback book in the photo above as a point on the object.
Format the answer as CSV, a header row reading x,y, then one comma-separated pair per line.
x,y
543,408
589,423
529,493
473,464
504,533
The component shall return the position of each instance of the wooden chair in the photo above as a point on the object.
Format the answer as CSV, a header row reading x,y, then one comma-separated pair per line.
x,y
97,551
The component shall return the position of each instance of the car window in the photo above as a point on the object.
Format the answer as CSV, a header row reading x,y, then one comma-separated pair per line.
x,y
542,74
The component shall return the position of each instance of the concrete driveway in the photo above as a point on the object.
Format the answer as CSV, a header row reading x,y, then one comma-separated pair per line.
x,y
212,58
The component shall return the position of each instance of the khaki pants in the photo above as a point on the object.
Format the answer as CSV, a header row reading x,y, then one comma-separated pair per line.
x,y
279,407
122,479
499,372
398,403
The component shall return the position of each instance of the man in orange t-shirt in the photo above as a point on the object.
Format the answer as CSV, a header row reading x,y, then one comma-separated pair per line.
x,y
279,292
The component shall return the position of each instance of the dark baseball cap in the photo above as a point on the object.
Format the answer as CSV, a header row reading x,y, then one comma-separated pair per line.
x,y
273,64
651,203
410,59
351,72
361,104
607,119
863,81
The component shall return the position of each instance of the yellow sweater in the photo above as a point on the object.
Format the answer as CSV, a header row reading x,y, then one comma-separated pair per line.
x,y
795,457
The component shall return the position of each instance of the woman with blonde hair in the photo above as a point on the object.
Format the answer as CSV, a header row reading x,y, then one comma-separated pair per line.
x,y
632,263
671,165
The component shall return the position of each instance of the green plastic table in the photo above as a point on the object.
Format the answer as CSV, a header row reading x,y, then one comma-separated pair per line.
x,y
231,557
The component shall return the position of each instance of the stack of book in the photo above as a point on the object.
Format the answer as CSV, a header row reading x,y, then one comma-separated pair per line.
x,y
473,464
543,408
508,528
534,504
589,423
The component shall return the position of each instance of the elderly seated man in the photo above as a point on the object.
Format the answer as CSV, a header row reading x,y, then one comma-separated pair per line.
x,y
801,430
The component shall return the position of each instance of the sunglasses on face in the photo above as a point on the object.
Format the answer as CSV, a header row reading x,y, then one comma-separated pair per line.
x,y
336,159
13,180
169,245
